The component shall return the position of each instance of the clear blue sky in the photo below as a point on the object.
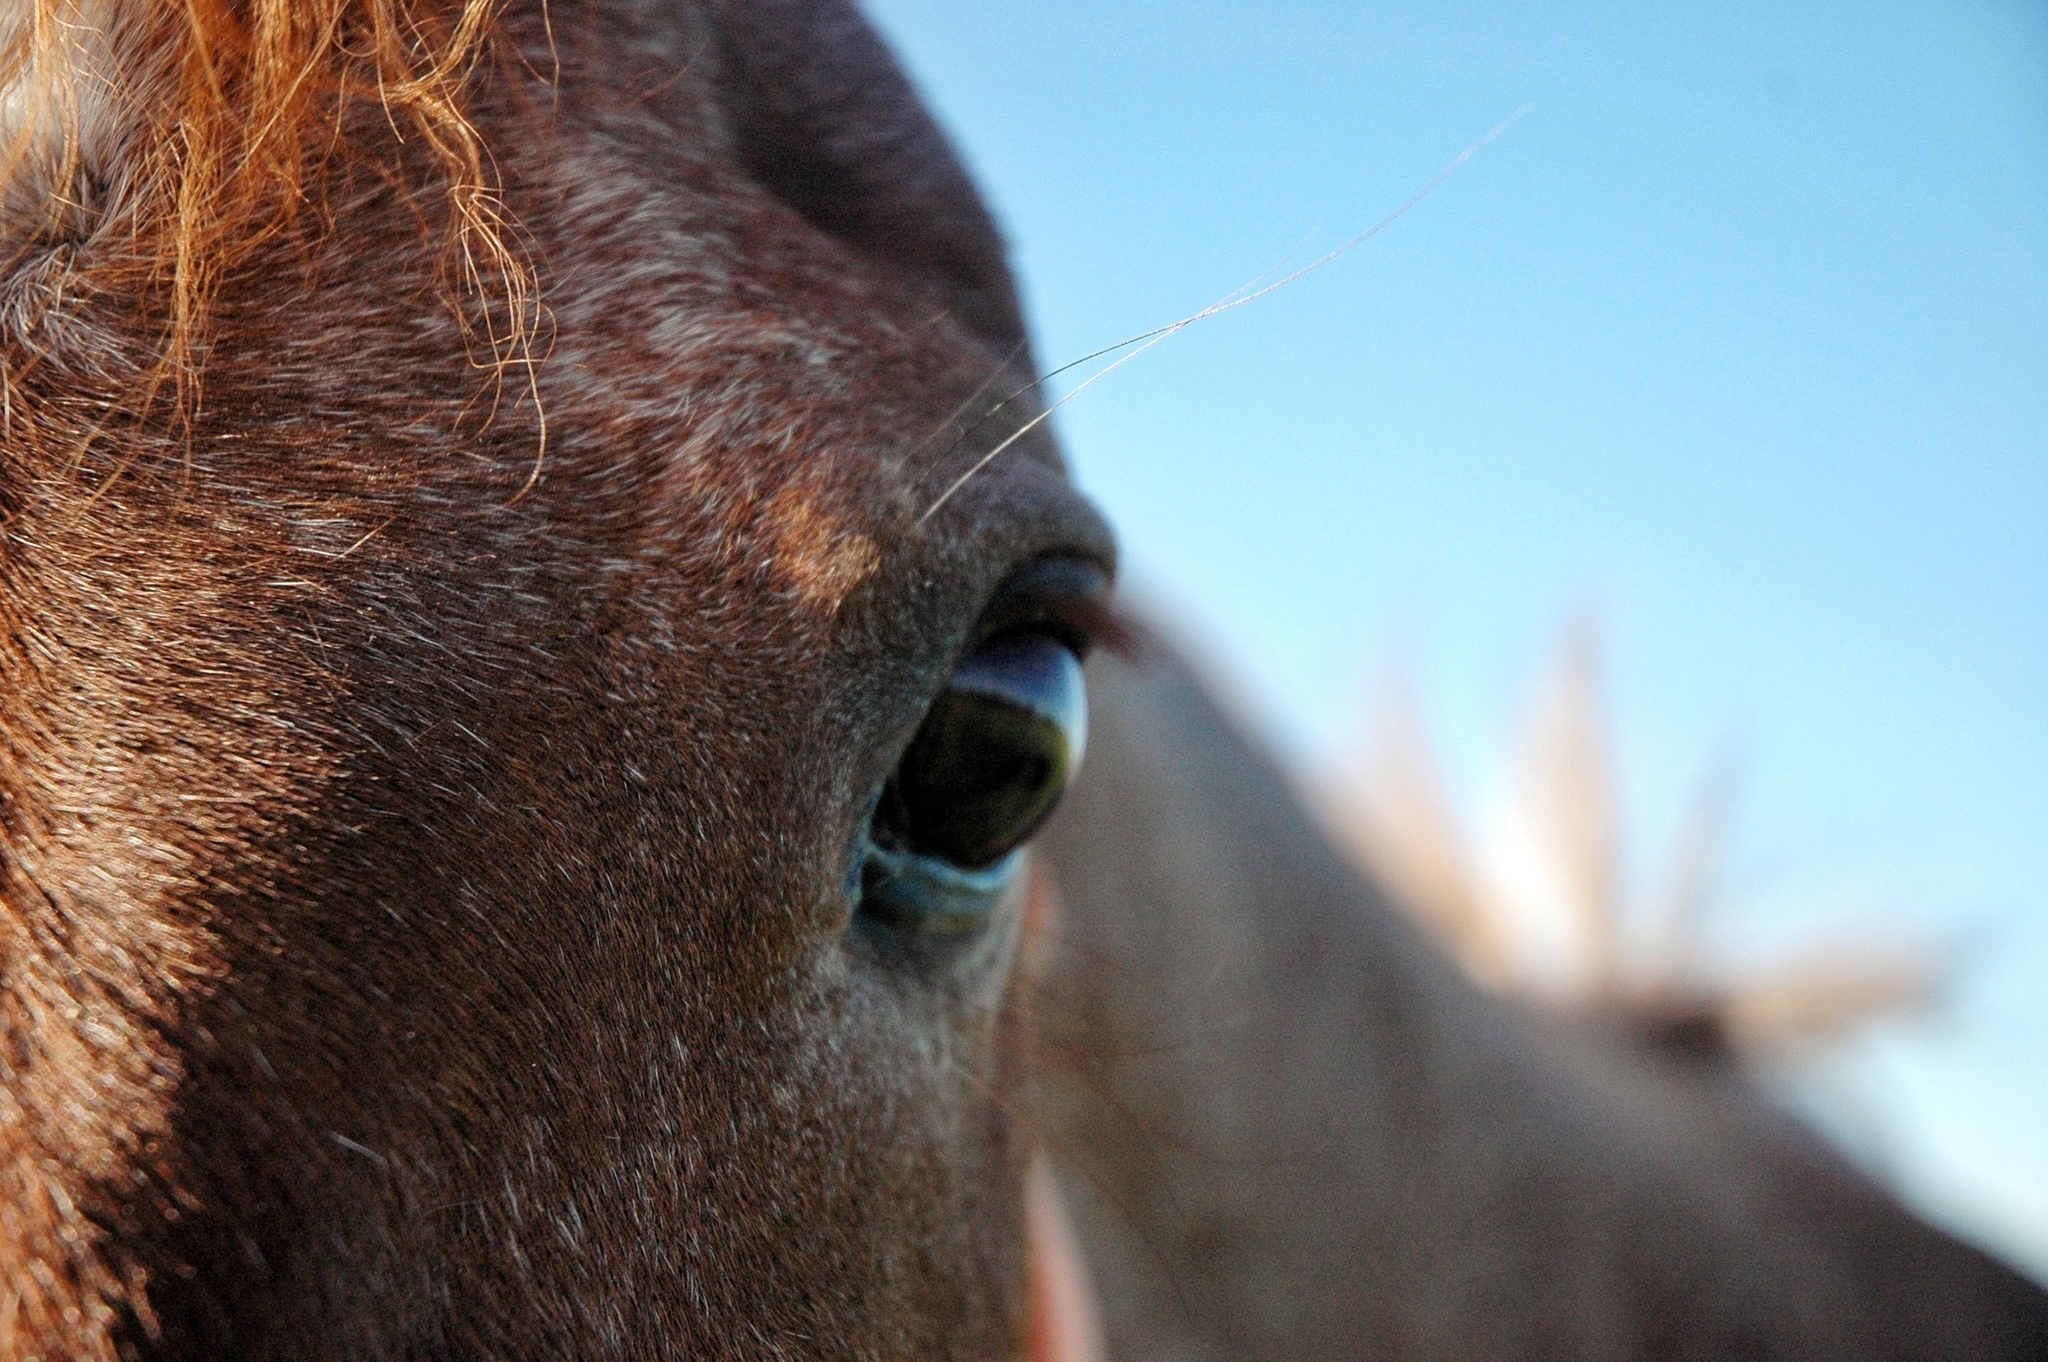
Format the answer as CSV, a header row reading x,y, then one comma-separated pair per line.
x,y
1739,337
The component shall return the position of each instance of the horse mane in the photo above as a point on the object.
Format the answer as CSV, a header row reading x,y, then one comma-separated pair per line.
x,y
179,138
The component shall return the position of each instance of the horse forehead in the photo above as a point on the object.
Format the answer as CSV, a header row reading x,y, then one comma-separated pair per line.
x,y
755,373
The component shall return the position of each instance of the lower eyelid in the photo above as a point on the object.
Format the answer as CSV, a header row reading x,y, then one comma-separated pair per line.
x,y
911,889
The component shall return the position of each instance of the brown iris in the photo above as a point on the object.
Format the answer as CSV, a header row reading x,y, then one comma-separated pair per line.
x,y
994,755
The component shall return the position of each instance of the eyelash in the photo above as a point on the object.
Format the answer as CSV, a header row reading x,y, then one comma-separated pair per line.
x,y
1085,624
1082,622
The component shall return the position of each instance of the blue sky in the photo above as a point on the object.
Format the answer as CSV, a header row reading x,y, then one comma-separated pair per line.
x,y
1737,339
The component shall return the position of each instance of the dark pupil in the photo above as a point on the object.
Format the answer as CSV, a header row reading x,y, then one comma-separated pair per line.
x,y
994,754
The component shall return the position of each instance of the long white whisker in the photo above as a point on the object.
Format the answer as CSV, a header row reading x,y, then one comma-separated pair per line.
x,y
973,397
1228,300
1048,375
1045,415
1236,298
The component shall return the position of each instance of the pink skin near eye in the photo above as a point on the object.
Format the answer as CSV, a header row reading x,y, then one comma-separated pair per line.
x,y
1066,1324
1066,1320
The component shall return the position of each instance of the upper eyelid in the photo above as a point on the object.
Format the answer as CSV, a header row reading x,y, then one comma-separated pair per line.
x,y
1084,624
1063,594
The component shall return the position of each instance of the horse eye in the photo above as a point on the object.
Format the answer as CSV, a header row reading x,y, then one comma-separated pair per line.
x,y
995,753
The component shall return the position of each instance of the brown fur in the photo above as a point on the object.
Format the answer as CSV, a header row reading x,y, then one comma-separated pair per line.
x,y
424,923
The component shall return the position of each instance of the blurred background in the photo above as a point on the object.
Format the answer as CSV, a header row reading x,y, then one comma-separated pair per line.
x,y
1727,364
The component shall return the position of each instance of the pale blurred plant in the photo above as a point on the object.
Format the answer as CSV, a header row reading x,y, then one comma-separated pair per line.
x,y
1539,907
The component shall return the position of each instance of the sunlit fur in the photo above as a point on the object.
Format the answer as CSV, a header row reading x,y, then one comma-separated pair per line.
x,y
178,139
1635,957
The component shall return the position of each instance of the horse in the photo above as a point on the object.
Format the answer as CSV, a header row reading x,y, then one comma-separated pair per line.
x,y
539,616
1291,1126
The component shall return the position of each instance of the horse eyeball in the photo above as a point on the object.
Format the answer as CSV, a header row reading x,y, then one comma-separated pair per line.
x,y
994,755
